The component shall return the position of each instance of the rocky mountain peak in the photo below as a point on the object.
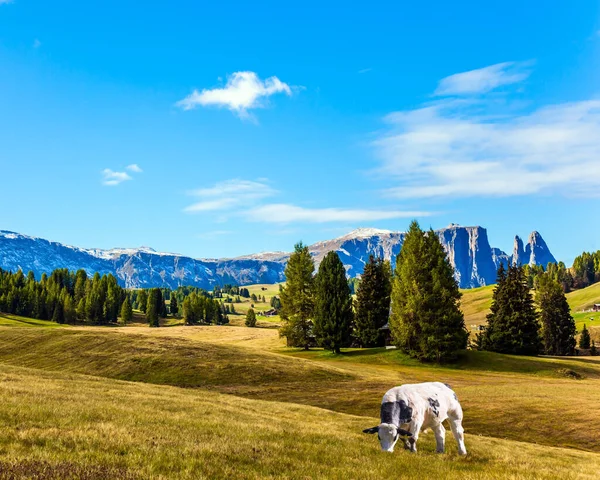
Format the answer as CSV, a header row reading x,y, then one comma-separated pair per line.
x,y
468,249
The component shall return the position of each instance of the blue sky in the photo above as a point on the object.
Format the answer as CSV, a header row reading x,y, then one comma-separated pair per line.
x,y
229,128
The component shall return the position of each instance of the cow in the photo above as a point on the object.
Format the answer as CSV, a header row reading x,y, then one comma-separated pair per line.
x,y
407,409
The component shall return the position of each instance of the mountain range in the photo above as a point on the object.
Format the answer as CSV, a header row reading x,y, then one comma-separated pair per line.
x,y
475,262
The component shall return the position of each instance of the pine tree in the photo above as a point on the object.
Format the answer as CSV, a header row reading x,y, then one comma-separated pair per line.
x,y
558,326
513,325
250,318
58,315
81,310
584,339
373,302
173,307
126,311
153,307
426,321
142,300
297,298
409,279
333,304
593,350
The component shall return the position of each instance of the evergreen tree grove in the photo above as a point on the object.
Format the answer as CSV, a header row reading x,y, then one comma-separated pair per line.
x,y
512,325
297,298
333,304
426,321
373,302
558,326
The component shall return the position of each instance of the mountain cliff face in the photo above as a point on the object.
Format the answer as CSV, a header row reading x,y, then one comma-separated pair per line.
x,y
468,249
536,251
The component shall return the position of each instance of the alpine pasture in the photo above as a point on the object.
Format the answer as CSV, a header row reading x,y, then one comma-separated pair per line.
x,y
234,402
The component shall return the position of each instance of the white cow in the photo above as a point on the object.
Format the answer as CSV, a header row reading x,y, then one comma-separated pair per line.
x,y
407,409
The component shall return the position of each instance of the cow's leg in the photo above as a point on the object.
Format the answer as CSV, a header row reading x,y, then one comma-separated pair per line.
x,y
415,429
440,436
458,432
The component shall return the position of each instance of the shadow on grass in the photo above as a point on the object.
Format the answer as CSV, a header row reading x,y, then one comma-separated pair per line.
x,y
467,360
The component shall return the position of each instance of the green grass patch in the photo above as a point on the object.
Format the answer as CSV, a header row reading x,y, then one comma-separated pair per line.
x,y
8,320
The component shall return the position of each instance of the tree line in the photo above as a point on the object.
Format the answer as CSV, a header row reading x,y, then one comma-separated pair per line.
x,y
62,296
425,319
418,303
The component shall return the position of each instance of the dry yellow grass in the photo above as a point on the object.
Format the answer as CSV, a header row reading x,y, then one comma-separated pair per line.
x,y
532,392
74,426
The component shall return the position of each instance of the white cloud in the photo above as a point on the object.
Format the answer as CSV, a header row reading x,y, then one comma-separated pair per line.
x,y
112,178
284,213
5,1
134,167
365,70
457,149
37,43
242,92
483,80
230,194
245,199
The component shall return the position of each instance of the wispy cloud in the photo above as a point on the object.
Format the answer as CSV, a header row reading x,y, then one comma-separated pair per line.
x,y
230,194
2,2
134,167
284,213
483,80
242,92
111,178
455,148
365,70
246,199
37,43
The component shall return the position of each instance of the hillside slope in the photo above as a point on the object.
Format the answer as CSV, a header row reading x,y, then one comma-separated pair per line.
x,y
253,363
64,426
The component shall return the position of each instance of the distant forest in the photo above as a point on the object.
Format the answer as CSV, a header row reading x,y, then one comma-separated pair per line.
x,y
73,298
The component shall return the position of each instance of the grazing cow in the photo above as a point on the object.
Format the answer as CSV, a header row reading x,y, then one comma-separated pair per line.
x,y
407,409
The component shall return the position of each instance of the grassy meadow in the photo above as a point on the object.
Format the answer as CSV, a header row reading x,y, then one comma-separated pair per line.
x,y
233,402
476,303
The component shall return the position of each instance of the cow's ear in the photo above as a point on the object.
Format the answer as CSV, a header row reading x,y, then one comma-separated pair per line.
x,y
371,430
404,433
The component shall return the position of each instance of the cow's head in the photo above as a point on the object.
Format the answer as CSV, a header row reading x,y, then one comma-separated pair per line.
x,y
388,435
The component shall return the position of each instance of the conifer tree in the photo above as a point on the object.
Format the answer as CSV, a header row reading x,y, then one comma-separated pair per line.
x,y
512,325
81,309
142,300
297,298
593,349
58,315
173,307
333,304
126,311
373,302
426,321
558,326
153,307
250,318
584,338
